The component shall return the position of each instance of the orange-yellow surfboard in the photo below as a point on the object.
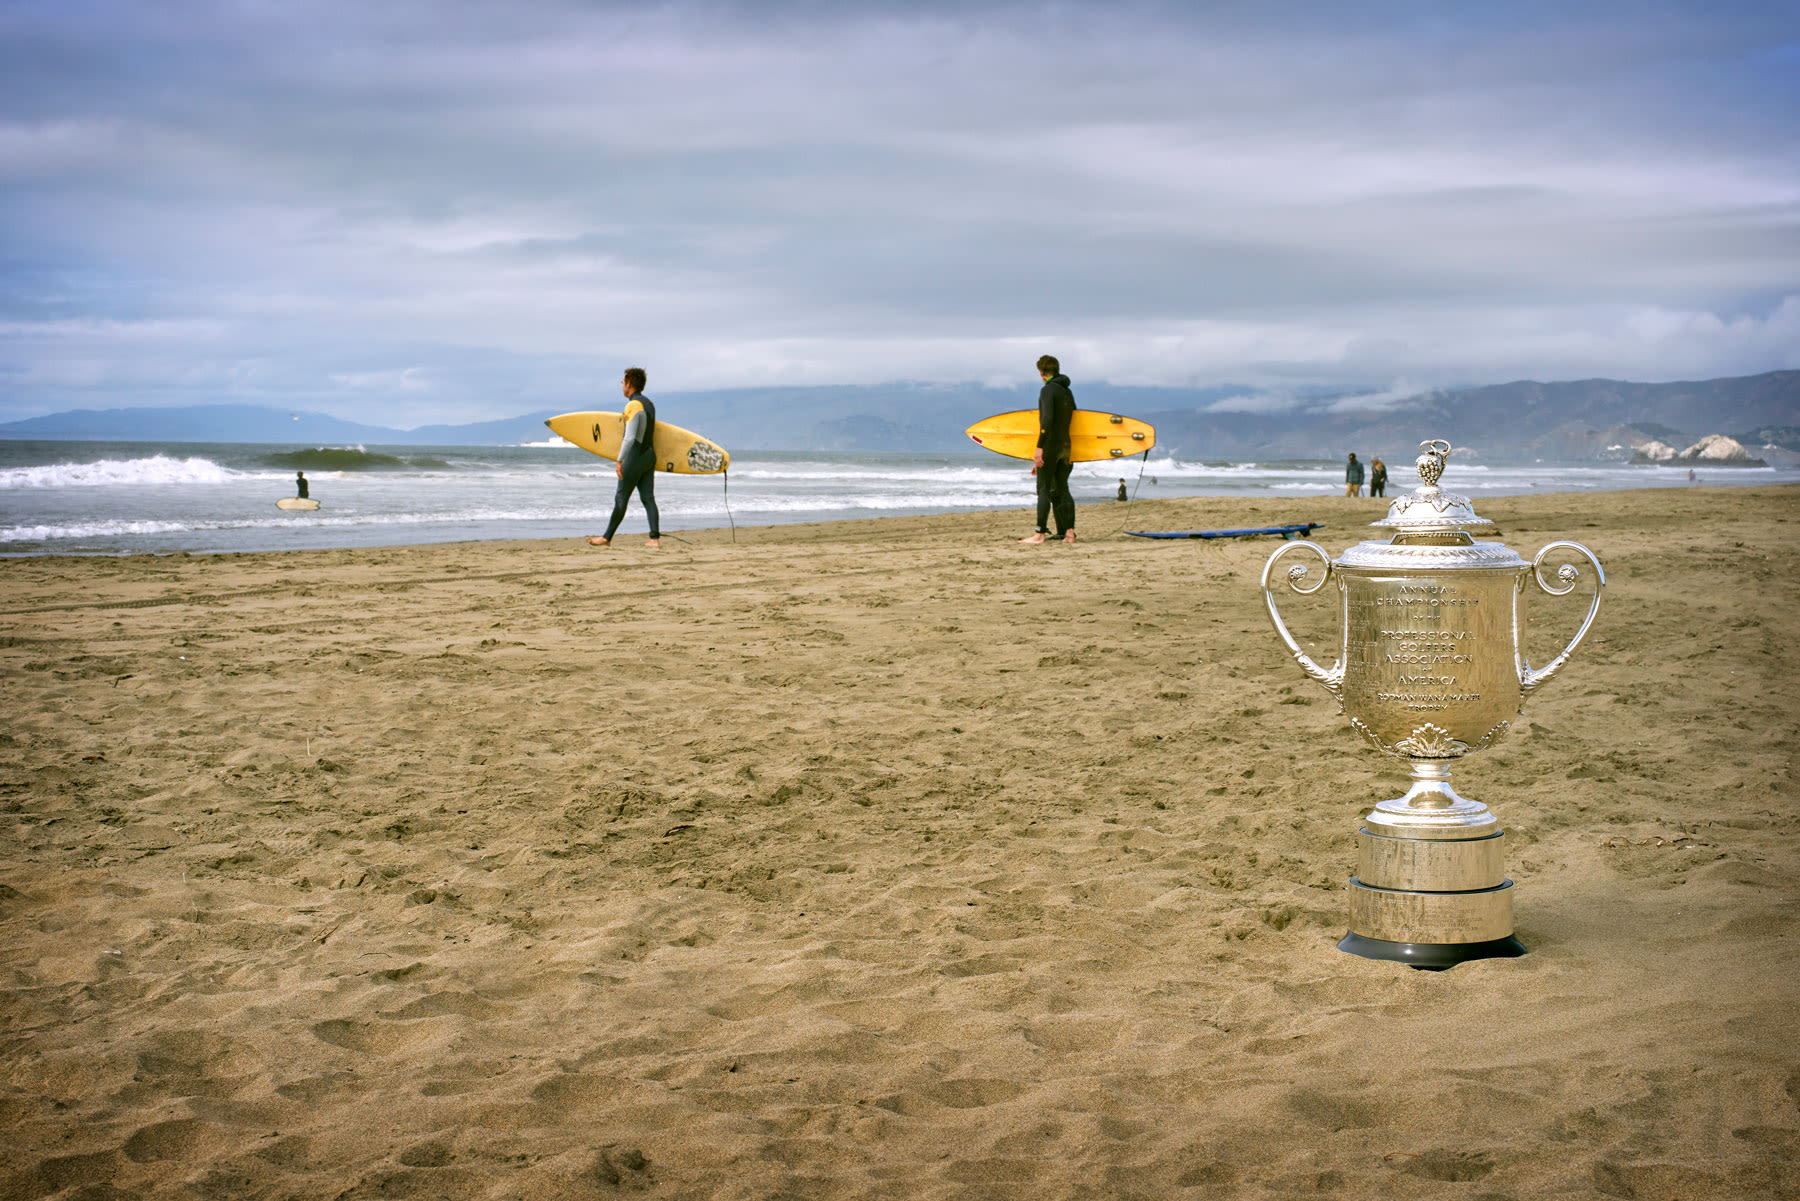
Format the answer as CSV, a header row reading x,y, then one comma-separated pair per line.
x,y
681,451
1092,435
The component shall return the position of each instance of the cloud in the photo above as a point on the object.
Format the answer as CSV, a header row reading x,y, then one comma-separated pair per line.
x,y
1259,403
407,379
513,202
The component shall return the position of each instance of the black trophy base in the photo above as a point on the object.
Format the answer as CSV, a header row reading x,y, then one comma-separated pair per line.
x,y
1431,956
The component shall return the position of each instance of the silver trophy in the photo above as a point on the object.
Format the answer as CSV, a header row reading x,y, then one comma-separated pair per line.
x,y
1431,668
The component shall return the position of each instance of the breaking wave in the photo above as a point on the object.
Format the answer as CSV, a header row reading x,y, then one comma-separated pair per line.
x,y
157,469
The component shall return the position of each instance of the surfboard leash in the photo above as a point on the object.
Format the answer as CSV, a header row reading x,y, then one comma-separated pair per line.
x,y
1125,517
728,517
726,475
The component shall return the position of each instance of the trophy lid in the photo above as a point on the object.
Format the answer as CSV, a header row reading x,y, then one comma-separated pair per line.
x,y
1432,529
1429,509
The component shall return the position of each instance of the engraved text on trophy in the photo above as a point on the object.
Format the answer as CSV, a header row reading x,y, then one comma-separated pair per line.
x,y
1431,666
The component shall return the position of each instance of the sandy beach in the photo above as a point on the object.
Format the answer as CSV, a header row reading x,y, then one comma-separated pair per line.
x,y
877,859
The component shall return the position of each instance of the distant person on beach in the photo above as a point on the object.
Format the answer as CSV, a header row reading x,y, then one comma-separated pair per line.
x,y
1691,477
300,484
1123,495
1377,477
636,467
1353,476
1052,462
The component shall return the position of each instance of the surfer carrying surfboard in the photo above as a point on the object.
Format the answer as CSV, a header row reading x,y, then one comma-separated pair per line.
x,y
636,467
1053,460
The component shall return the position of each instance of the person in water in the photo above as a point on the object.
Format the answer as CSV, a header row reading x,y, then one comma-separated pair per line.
x,y
1052,461
300,484
636,467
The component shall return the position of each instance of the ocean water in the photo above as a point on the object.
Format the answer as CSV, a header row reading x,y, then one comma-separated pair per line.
x,y
137,497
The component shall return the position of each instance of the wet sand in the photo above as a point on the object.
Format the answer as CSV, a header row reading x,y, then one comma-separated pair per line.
x,y
876,859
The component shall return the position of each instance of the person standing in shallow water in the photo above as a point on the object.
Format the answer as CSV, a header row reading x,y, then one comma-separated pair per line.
x,y
1052,461
300,484
636,467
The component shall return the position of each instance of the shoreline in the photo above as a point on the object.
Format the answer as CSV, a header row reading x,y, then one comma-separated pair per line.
x,y
1225,511
221,499
877,857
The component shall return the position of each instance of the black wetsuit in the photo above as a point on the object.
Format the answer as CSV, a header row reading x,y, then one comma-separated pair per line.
x,y
637,472
300,484
1056,409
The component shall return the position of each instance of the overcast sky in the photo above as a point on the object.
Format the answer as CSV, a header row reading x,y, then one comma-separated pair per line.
x,y
408,211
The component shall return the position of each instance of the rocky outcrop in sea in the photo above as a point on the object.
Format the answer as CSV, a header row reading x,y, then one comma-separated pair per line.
x,y
1714,450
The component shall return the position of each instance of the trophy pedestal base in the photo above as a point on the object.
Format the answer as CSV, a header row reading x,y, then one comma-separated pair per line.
x,y
1402,918
1430,956
1424,897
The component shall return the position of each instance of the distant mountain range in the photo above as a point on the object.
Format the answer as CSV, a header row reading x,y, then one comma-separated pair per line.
x,y
1569,421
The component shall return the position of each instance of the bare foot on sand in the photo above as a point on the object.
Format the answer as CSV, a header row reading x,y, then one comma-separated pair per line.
x,y
654,542
1069,537
1034,540
597,540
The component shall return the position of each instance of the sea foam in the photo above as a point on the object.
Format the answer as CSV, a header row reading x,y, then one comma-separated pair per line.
x,y
157,469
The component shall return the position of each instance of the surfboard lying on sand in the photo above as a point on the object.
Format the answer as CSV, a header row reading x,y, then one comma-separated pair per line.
x,y
681,451
297,502
1288,532
1092,435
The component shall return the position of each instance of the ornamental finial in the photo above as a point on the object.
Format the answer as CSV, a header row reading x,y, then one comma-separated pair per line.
x,y
1431,463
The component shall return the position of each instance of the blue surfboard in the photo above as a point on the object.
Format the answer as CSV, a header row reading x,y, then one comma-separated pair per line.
x,y
1287,532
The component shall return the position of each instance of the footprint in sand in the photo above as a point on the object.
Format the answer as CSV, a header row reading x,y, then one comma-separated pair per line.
x,y
313,1089
573,1090
1072,1035
370,1038
1334,1113
195,1063
971,1093
432,1154
1441,1163
65,1171
294,1153
622,1167
981,965
448,1004
182,1138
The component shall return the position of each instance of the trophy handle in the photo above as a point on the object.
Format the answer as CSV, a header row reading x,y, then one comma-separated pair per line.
x,y
1332,680
1530,680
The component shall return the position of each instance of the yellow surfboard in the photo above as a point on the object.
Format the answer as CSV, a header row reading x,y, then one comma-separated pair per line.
x,y
681,451
1092,435
304,504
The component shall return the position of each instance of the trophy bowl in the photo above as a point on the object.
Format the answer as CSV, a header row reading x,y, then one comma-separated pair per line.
x,y
1431,666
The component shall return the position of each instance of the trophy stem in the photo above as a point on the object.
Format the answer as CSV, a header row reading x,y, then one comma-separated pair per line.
x,y
1431,786
1431,808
